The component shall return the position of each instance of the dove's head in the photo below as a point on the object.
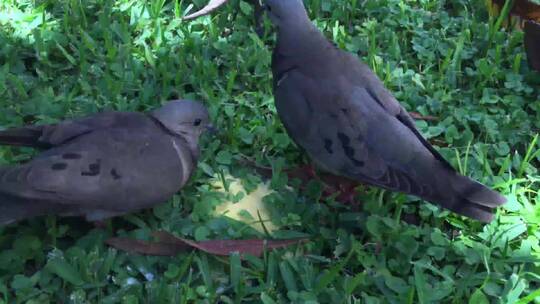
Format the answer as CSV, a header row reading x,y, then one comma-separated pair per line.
x,y
186,118
285,12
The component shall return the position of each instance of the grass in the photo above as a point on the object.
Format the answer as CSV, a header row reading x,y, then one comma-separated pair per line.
x,y
61,59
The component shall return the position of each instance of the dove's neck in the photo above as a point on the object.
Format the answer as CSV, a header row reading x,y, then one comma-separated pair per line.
x,y
300,37
193,145
190,140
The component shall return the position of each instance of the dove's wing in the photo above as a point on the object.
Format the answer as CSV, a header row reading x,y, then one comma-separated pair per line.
x,y
46,136
104,165
375,88
347,137
348,131
115,170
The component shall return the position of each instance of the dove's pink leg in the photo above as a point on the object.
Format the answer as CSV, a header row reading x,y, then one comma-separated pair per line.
x,y
345,187
304,173
332,183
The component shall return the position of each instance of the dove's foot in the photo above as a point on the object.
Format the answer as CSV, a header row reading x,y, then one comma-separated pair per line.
x,y
332,183
347,194
345,187
304,173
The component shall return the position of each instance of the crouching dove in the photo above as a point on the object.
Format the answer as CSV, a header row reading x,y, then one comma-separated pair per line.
x,y
339,112
103,165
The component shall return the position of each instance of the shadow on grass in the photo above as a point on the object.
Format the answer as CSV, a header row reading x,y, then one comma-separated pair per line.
x,y
64,60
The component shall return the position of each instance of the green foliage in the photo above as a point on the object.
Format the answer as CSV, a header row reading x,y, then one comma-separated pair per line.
x,y
61,59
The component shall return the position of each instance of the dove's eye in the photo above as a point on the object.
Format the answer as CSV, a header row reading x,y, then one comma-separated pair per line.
x,y
197,122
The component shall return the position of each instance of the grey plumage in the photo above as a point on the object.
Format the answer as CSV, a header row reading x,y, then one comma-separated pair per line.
x,y
103,165
339,112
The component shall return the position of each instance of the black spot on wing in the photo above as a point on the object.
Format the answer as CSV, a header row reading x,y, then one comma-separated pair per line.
x,y
328,145
59,166
115,174
349,151
93,169
71,156
343,138
89,173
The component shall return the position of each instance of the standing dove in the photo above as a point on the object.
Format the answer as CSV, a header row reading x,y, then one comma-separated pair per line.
x,y
338,110
340,113
103,165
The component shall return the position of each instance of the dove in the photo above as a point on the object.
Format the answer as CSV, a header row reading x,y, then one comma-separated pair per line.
x,y
335,108
339,112
103,165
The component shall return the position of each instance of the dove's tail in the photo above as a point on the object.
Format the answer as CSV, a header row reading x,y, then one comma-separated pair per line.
x,y
25,136
14,209
472,199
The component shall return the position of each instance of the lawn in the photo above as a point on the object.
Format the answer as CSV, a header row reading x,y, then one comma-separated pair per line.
x,y
446,59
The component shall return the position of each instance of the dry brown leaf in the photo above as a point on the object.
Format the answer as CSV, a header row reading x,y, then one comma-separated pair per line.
x,y
169,245
418,116
145,247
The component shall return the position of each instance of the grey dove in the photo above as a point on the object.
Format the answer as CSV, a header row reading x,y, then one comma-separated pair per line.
x,y
336,109
104,165
340,113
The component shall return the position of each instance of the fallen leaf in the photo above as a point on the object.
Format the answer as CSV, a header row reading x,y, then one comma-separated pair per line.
x,y
437,141
225,247
419,116
146,247
170,245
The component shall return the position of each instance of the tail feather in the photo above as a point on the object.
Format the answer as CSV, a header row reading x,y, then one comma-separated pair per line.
x,y
471,210
472,199
477,193
14,209
25,136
